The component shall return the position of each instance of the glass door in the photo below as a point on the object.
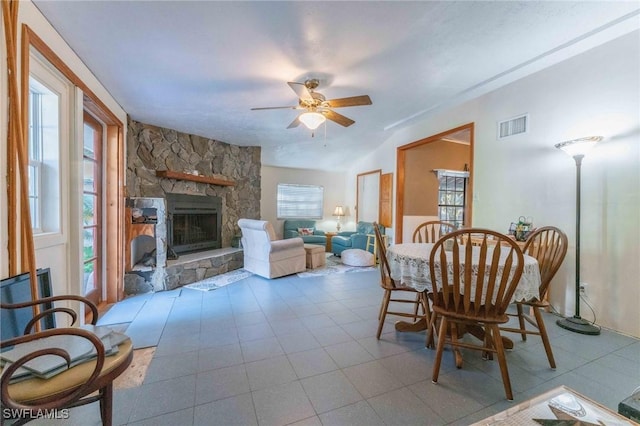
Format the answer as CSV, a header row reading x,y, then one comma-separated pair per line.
x,y
452,195
91,209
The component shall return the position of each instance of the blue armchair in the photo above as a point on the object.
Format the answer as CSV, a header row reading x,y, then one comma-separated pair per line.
x,y
357,239
291,231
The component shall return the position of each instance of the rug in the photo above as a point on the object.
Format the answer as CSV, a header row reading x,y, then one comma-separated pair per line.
x,y
218,281
334,266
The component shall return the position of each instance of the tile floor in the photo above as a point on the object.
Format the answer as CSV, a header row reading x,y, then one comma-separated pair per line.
x,y
303,351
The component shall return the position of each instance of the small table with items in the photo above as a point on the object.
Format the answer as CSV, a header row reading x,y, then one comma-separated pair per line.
x,y
559,406
329,235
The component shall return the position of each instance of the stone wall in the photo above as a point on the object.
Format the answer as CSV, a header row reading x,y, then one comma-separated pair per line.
x,y
151,148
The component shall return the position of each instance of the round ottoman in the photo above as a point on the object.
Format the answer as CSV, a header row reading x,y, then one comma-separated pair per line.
x,y
357,257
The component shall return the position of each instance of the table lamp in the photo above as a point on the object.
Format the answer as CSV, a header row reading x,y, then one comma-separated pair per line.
x,y
339,212
578,148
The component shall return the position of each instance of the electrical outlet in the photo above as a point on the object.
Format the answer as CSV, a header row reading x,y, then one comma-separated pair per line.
x,y
583,288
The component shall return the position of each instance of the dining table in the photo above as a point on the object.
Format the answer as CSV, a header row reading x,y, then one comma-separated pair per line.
x,y
409,264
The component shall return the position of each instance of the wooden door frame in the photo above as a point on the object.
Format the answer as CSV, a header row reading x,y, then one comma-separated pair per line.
x,y
114,191
400,175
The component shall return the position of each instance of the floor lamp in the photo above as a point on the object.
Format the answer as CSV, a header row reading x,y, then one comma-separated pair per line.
x,y
578,148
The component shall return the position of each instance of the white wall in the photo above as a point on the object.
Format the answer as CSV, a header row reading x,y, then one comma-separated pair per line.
x,y
335,188
594,93
56,257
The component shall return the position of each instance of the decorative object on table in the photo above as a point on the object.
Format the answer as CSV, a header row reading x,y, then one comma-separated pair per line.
x,y
338,212
578,148
522,228
548,245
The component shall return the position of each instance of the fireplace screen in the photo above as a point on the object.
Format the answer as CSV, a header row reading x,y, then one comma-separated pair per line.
x,y
191,229
194,222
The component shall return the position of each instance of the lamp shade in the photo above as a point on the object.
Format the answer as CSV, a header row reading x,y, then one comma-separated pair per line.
x,y
312,119
338,211
579,147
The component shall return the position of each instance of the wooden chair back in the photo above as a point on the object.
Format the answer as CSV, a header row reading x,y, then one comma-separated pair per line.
x,y
549,246
430,232
481,292
386,281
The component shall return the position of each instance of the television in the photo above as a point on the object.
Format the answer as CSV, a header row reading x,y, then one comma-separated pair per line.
x,y
17,289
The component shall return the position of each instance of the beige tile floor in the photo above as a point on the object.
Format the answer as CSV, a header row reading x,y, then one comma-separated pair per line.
x,y
303,351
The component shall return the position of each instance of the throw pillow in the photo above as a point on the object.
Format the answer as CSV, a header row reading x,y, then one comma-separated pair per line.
x,y
305,231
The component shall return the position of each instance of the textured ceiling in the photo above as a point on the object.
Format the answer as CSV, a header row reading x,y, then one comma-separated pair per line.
x,y
198,67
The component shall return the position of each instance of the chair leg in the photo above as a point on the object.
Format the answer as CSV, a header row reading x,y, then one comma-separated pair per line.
x,y
106,405
521,320
441,336
545,337
502,359
431,332
383,314
418,304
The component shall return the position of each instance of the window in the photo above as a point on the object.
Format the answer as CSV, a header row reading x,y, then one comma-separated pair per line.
x,y
452,196
44,156
299,201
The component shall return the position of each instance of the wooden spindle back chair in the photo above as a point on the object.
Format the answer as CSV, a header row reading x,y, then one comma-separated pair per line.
x,y
548,245
473,286
432,231
390,286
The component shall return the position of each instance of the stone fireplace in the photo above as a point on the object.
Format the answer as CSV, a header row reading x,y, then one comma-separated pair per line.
x,y
165,165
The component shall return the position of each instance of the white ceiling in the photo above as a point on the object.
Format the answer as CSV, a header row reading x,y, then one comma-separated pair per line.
x,y
198,67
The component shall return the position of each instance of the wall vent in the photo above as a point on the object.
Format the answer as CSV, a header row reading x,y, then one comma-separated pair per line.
x,y
513,126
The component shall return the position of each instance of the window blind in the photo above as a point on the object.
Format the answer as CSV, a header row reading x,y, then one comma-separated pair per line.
x,y
299,201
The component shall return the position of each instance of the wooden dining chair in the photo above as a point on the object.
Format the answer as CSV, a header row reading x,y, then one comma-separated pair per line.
x,y
431,231
549,246
391,286
85,383
472,287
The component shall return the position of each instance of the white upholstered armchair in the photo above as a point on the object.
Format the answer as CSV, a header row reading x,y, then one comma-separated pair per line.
x,y
266,256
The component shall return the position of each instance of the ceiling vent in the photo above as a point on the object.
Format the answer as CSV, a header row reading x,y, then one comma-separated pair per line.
x,y
513,126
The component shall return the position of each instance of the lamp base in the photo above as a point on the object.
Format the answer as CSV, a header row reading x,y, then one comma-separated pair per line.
x,y
578,325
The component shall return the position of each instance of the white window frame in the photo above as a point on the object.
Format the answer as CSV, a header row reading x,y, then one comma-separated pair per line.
x,y
52,187
294,201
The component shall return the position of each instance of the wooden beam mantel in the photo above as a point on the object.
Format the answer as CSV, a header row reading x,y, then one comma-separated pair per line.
x,y
194,178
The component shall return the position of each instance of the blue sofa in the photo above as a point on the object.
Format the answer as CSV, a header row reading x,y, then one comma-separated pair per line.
x,y
291,231
357,239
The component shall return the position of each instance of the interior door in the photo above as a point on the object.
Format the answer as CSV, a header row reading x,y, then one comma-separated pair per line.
x,y
368,196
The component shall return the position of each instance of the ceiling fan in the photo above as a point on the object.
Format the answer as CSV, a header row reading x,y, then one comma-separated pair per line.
x,y
317,107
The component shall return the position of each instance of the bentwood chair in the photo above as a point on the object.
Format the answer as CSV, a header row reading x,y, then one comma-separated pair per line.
x,y
391,287
431,231
81,384
549,246
472,287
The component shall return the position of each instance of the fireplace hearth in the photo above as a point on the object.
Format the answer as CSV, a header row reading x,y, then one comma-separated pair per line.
x,y
193,222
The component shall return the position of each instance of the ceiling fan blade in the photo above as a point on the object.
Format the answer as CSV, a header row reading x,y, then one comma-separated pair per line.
x,y
338,118
347,102
294,123
301,90
282,107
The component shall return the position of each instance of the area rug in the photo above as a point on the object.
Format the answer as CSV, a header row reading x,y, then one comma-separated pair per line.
x,y
334,266
218,281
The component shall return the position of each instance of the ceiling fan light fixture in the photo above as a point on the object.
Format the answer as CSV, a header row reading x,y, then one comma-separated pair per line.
x,y
312,119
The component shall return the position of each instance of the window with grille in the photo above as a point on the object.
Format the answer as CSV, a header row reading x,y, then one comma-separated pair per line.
x,y
452,195
299,201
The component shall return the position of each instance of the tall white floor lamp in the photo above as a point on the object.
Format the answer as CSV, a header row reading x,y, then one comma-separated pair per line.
x,y
578,148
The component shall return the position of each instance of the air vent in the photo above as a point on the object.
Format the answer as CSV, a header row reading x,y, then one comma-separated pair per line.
x,y
513,126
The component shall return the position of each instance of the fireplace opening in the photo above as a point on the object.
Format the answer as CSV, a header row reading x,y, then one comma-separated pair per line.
x,y
193,222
